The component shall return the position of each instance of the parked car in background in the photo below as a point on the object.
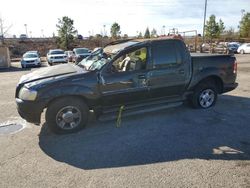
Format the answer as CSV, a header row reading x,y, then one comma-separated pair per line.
x,y
34,52
30,59
233,47
80,54
56,56
205,47
23,36
69,55
80,37
220,49
244,48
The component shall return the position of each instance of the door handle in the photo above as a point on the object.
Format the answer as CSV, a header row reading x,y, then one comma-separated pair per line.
x,y
181,71
142,76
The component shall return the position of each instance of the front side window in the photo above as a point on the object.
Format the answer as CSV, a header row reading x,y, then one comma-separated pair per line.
x,y
131,61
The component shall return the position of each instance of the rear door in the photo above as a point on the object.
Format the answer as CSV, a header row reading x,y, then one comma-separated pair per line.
x,y
170,71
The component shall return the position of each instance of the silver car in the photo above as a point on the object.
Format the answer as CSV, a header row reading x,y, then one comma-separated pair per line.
x,y
30,59
56,56
244,48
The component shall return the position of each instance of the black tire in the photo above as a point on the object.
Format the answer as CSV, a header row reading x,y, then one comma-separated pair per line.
x,y
242,52
55,115
205,95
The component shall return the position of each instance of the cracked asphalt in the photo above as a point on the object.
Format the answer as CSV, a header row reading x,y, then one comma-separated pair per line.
x,y
177,147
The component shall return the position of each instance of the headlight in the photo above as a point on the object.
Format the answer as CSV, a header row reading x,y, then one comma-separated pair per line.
x,y
27,94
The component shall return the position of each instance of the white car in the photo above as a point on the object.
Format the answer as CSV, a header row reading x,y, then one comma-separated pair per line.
x,y
30,59
244,48
56,56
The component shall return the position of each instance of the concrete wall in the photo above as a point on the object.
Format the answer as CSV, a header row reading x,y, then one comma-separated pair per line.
x,y
4,57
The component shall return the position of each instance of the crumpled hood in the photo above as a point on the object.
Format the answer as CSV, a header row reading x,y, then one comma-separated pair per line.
x,y
48,72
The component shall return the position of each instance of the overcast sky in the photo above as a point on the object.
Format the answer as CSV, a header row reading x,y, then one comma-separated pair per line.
x,y
90,16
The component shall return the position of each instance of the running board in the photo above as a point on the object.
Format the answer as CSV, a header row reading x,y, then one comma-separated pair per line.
x,y
113,114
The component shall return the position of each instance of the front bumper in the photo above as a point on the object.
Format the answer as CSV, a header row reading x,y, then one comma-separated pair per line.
x,y
30,110
25,64
59,60
229,87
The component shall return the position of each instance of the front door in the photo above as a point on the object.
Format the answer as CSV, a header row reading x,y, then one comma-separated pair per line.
x,y
125,82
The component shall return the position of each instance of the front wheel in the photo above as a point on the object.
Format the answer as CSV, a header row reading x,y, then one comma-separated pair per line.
x,y
205,96
67,115
242,52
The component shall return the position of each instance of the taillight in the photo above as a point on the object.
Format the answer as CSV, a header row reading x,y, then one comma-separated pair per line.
x,y
235,67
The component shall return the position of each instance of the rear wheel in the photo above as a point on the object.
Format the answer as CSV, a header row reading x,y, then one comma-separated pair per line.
x,y
205,95
67,115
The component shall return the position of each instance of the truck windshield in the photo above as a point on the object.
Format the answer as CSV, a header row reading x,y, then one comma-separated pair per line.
x,y
81,50
97,65
95,61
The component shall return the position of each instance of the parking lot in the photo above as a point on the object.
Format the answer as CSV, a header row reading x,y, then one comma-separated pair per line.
x,y
178,147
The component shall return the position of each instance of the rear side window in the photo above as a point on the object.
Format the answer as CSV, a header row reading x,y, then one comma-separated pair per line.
x,y
164,55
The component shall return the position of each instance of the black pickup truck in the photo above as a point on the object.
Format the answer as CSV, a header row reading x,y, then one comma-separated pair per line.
x,y
141,75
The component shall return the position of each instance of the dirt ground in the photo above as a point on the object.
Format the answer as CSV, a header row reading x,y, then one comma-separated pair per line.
x,y
178,147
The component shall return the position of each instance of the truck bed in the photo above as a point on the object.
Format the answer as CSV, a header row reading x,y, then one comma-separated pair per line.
x,y
218,64
209,55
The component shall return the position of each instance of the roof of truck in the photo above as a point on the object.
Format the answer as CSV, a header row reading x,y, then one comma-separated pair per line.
x,y
119,45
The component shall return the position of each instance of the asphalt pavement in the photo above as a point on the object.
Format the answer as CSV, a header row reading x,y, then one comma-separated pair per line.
x,y
177,147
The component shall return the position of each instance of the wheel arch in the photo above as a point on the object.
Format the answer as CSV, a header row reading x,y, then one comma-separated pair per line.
x,y
80,97
212,79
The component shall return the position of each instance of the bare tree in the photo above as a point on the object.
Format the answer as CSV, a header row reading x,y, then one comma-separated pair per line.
x,y
3,29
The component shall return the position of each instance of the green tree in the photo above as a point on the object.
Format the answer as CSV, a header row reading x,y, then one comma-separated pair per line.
x,y
221,27
245,25
66,32
140,35
153,33
214,29
115,30
147,33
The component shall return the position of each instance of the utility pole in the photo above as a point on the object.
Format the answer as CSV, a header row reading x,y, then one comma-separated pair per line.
x,y
26,31
3,30
42,33
104,31
205,13
1,27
